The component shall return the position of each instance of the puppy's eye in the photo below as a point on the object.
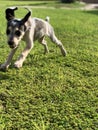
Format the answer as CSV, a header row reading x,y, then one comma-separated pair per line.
x,y
17,33
8,31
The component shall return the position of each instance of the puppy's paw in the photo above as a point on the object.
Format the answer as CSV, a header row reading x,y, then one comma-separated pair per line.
x,y
3,67
18,64
64,53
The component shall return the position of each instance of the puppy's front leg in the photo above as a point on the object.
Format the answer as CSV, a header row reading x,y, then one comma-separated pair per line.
x,y
24,54
5,66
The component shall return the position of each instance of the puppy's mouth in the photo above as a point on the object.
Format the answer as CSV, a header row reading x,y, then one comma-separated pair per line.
x,y
12,46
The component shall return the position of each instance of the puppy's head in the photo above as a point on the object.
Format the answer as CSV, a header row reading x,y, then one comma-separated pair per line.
x,y
15,28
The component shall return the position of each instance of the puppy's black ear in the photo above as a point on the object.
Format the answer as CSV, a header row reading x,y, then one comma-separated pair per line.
x,y
25,19
9,12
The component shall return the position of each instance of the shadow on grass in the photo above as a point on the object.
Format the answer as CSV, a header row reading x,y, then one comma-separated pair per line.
x,y
95,12
4,76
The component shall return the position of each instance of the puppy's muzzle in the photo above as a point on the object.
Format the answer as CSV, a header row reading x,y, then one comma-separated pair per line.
x,y
11,44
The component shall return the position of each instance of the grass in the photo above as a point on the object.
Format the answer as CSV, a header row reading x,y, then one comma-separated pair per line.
x,y
53,4
52,92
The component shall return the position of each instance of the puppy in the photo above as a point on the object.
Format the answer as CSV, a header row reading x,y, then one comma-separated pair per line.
x,y
29,30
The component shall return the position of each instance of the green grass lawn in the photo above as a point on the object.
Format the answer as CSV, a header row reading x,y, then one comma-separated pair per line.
x,y
52,92
46,3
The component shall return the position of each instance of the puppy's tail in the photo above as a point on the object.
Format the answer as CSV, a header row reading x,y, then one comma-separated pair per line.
x,y
47,19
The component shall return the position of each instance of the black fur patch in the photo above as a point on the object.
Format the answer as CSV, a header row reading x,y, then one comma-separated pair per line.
x,y
16,24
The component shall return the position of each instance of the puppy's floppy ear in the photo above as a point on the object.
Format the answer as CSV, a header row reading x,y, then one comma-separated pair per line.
x,y
27,16
9,12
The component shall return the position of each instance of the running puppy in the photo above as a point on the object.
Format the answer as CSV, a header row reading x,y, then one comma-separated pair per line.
x,y
27,29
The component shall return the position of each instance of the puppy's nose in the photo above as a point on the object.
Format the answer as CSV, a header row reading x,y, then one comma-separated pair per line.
x,y
11,43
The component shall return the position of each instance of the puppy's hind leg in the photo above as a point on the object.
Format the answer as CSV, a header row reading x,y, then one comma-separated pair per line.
x,y
44,43
57,42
